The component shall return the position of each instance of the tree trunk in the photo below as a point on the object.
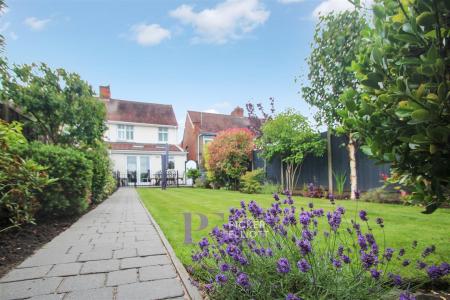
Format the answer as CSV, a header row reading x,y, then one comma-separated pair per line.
x,y
330,162
282,173
352,158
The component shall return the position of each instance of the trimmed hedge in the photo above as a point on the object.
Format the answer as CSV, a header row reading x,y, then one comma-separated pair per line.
x,y
70,194
103,183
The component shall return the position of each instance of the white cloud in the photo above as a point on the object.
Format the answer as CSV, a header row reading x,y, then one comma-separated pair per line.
x,y
331,6
228,20
290,1
149,34
36,24
211,110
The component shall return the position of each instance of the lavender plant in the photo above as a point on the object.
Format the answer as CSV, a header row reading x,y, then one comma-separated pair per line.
x,y
285,252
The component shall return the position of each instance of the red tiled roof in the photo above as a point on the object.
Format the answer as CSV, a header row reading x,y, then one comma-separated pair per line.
x,y
140,112
213,123
143,147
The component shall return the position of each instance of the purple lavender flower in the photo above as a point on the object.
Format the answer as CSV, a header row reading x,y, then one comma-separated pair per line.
x,y
303,265
221,278
421,265
224,267
407,296
269,252
337,263
340,250
291,296
388,253
375,274
305,218
341,210
334,220
368,260
436,272
396,279
203,243
310,205
401,252
428,251
406,262
307,235
276,197
318,212
209,287
283,266
326,234
370,238
242,280
362,242
305,246
345,259
380,222
363,215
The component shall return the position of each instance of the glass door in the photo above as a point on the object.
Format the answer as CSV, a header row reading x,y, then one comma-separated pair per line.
x,y
144,170
132,168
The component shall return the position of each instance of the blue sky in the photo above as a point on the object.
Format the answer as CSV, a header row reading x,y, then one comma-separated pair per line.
x,y
195,55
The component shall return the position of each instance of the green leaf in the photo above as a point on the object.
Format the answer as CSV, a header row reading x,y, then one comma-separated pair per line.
x,y
366,150
376,55
425,19
420,116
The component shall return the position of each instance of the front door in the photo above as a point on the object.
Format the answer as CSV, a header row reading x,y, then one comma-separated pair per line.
x,y
138,169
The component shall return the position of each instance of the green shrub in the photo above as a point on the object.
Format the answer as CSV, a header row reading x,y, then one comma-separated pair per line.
x,y
101,173
20,180
251,181
70,194
193,174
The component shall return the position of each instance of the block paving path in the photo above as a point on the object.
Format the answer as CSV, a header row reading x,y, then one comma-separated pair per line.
x,y
112,252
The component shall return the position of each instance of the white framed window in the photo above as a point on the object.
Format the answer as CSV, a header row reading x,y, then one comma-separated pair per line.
x,y
207,140
125,132
163,134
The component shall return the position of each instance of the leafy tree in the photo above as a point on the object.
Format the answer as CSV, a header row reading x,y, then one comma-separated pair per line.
x,y
228,156
61,106
404,113
337,40
289,136
193,174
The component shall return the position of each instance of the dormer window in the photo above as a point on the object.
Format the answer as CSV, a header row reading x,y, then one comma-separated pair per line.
x,y
163,134
125,132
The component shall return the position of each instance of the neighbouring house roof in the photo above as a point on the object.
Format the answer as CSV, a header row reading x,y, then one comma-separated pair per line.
x,y
143,147
213,123
140,112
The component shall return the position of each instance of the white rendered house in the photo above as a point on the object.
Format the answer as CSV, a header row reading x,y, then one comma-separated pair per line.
x,y
138,134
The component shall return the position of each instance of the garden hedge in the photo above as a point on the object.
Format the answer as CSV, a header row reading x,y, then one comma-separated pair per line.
x,y
70,194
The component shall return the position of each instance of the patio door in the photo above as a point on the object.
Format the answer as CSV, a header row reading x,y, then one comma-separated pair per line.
x,y
138,169
144,170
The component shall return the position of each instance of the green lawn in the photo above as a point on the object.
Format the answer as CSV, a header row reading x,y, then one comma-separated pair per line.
x,y
403,224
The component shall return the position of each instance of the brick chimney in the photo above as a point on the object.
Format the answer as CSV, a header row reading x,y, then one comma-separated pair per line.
x,y
105,92
238,112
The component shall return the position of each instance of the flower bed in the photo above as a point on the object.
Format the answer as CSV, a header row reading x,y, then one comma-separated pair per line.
x,y
304,253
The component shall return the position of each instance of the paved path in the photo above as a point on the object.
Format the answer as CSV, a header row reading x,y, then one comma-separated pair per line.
x,y
112,252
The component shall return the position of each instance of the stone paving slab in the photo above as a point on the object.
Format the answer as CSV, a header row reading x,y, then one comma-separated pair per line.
x,y
113,252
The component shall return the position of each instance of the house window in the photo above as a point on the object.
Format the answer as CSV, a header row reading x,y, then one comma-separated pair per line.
x,y
171,164
207,140
163,134
125,132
